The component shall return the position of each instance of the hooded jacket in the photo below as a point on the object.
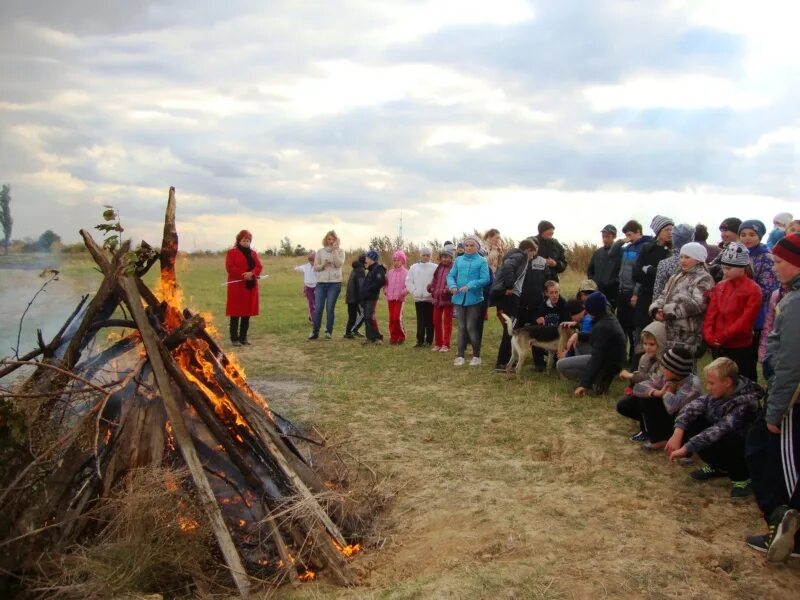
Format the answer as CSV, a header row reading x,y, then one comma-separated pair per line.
x,y
396,284
472,271
688,388
552,248
648,365
684,302
608,343
440,292
419,276
733,414
374,280
355,282
783,353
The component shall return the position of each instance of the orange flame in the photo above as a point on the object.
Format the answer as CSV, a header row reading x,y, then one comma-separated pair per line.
x,y
307,576
349,550
186,524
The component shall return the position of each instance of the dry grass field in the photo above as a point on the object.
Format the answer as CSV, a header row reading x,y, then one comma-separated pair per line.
x,y
498,488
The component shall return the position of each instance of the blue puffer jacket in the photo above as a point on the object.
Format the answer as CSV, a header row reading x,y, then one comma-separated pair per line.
x,y
469,270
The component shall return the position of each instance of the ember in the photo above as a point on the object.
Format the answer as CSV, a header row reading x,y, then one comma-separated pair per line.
x,y
180,402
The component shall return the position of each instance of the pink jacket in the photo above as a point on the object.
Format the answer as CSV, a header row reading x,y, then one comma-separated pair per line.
x,y
396,284
769,321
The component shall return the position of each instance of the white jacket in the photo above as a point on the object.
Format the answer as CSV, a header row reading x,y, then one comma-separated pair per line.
x,y
419,276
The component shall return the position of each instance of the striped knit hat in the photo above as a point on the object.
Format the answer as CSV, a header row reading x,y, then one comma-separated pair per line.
x,y
788,248
735,254
677,360
659,222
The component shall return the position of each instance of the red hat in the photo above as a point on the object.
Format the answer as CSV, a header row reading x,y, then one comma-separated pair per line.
x,y
788,248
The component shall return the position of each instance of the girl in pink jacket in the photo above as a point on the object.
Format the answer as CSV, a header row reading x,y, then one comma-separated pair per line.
x,y
396,293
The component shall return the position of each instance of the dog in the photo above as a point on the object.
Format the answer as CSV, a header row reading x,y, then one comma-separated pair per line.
x,y
523,340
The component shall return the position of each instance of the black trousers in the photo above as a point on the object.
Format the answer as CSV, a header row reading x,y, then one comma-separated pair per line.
x,y
355,317
625,316
238,328
652,416
726,454
610,292
424,312
370,322
510,306
774,461
745,358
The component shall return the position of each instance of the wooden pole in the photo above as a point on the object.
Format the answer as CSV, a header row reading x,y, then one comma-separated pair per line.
x,y
133,300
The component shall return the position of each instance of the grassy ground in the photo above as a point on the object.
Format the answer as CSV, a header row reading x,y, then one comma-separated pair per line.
x,y
504,488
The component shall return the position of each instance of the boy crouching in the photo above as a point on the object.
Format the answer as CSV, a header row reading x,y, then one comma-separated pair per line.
x,y
715,425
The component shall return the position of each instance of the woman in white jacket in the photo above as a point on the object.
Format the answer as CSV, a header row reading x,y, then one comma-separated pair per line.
x,y
417,280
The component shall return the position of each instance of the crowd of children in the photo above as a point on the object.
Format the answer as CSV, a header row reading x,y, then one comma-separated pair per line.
x,y
652,306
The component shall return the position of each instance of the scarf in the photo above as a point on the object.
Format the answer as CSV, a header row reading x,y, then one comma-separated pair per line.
x,y
251,264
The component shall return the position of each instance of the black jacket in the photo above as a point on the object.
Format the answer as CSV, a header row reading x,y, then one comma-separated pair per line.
x,y
604,266
553,315
608,343
552,248
644,274
374,280
508,272
355,282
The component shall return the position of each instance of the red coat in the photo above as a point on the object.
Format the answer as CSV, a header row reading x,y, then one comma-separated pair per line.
x,y
732,312
242,301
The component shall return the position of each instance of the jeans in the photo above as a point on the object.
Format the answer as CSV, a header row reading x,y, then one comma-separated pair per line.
x,y
325,295
468,328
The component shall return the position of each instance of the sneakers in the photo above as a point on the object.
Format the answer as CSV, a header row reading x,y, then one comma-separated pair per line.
x,y
459,361
418,345
499,368
639,437
313,336
328,336
761,543
375,342
707,473
741,490
784,523
475,362
245,343
436,349
444,349
236,343
348,336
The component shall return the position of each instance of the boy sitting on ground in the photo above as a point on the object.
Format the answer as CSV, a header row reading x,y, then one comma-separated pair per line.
x,y
715,425
661,397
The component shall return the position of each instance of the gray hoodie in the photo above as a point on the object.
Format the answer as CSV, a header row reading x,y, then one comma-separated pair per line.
x,y
783,353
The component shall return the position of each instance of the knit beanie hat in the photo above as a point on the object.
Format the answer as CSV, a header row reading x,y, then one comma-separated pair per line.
x,y
399,255
425,251
735,254
694,250
788,248
373,255
755,225
659,222
596,304
609,229
573,307
544,226
449,249
731,224
681,234
783,219
473,238
677,360
587,285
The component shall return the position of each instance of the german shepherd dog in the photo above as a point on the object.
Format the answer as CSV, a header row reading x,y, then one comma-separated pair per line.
x,y
523,340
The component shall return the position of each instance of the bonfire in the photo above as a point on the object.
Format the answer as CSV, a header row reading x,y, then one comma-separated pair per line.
x,y
164,395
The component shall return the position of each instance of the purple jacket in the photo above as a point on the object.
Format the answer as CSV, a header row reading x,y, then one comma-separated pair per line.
x,y
438,286
726,415
765,278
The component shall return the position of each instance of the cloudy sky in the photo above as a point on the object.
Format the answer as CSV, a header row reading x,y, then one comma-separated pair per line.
x,y
288,118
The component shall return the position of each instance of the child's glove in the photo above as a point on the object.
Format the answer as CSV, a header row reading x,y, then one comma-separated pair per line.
x,y
628,391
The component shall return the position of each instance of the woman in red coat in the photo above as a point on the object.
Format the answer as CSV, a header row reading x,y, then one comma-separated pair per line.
x,y
243,269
